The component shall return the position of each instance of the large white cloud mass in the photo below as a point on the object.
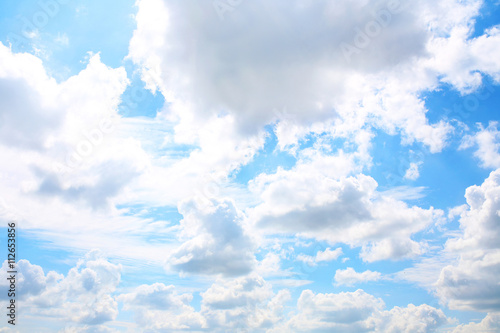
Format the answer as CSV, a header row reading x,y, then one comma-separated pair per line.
x,y
217,242
472,284
328,74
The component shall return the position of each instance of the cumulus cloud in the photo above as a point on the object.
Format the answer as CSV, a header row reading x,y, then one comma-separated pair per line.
x,y
349,277
490,323
184,62
238,304
422,318
472,283
339,210
487,142
326,255
83,296
217,242
27,92
359,312
343,312
412,173
161,307
245,302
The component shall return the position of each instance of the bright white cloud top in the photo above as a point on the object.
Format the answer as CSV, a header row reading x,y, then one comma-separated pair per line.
x,y
251,166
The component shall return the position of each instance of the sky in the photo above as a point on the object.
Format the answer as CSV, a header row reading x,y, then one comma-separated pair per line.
x,y
251,166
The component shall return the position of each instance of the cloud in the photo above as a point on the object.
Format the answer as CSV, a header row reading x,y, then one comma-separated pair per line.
x,y
312,78
349,277
83,296
217,242
245,302
160,307
343,312
472,283
490,323
487,141
27,92
422,318
88,329
359,312
412,173
314,204
327,255
237,304
462,59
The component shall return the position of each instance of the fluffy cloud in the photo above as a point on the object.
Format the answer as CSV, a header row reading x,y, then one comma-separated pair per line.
x,y
161,307
313,78
217,241
75,145
490,323
326,255
461,59
27,92
487,141
412,173
359,312
318,205
84,296
422,318
237,304
349,277
343,312
245,302
472,283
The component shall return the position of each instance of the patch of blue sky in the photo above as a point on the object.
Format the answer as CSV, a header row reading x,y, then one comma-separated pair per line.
x,y
42,252
58,33
449,104
163,213
445,175
267,160
488,17
137,100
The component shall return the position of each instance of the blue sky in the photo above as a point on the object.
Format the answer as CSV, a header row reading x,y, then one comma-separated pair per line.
x,y
253,166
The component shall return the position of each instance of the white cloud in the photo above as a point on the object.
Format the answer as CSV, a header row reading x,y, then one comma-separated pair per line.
x,y
472,283
161,307
326,255
84,296
243,303
349,277
217,242
238,304
490,323
323,89
88,329
359,312
422,318
306,201
462,59
487,141
343,312
412,173
27,92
